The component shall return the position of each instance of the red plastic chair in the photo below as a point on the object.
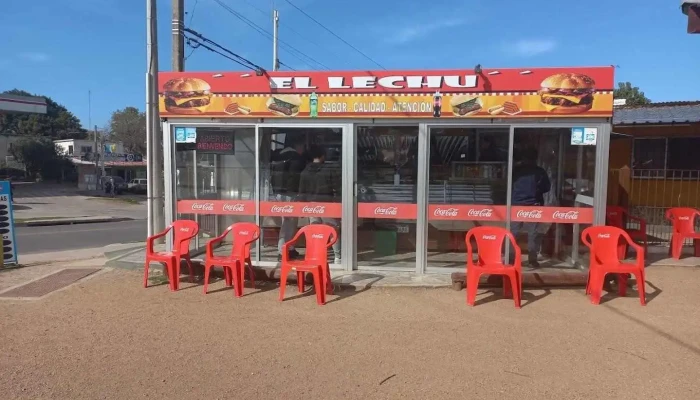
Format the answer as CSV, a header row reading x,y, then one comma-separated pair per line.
x,y
618,217
603,242
489,241
243,235
683,221
183,232
319,238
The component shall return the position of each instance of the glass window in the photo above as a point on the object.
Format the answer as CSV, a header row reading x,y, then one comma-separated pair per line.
x,y
649,157
468,180
215,179
301,184
387,160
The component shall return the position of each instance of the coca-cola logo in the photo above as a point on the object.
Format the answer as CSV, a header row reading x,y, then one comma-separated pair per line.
x,y
184,229
202,206
612,213
489,237
288,209
244,233
684,218
604,236
314,210
532,214
569,215
481,213
386,211
237,207
445,212
317,236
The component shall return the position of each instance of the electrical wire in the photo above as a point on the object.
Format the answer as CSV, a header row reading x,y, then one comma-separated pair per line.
x,y
285,65
298,54
334,34
195,44
232,56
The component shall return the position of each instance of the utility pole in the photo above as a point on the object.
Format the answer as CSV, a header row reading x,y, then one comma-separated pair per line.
x,y
95,156
275,47
151,109
178,37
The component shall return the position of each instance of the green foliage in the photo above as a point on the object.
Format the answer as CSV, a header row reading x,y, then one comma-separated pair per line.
x,y
57,123
632,94
128,126
41,157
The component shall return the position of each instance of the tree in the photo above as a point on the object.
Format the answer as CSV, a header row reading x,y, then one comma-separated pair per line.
x,y
57,123
128,126
632,94
40,156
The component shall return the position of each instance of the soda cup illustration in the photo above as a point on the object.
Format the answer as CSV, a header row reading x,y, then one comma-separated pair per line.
x,y
437,105
313,105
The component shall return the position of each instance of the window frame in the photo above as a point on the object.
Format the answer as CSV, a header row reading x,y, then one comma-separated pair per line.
x,y
664,172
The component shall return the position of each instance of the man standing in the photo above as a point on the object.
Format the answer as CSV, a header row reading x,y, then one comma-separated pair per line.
x,y
286,168
320,182
530,183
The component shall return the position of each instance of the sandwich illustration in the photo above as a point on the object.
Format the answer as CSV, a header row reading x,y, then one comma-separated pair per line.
x,y
187,95
463,106
567,93
285,105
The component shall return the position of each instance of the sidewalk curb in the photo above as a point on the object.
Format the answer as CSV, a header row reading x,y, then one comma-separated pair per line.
x,y
71,221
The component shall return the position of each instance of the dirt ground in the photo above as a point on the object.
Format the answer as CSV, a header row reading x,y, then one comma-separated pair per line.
x,y
108,338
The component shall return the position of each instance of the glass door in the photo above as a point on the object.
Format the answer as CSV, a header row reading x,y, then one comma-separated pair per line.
x,y
386,176
553,192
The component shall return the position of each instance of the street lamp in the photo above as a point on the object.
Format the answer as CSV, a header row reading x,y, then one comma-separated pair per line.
x,y
691,8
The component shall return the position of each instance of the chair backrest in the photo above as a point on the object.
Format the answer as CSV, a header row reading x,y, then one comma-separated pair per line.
x,y
615,216
603,242
489,242
318,237
243,234
183,232
683,219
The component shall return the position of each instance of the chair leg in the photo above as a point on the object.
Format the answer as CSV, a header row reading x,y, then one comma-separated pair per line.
x,y
145,273
189,267
284,271
597,282
517,289
327,282
641,287
251,271
175,277
227,277
696,247
319,287
207,271
300,282
622,284
472,286
507,287
676,246
237,274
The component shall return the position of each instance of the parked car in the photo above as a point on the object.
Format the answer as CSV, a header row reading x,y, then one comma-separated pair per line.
x,y
139,185
119,183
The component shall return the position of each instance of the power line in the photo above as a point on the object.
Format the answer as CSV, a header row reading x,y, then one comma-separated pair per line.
x,y
232,56
291,49
285,65
334,34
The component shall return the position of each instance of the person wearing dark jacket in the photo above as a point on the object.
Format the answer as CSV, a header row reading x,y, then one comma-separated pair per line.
x,y
320,183
530,183
285,170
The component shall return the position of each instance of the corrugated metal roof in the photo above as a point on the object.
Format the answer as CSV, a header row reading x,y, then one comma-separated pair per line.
x,y
661,113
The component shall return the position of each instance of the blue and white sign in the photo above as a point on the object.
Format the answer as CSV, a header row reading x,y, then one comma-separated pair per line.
x,y
185,135
7,224
577,136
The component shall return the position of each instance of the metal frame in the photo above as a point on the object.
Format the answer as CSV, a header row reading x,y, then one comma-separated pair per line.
x,y
349,172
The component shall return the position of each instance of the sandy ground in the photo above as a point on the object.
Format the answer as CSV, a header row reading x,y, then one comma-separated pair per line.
x,y
107,338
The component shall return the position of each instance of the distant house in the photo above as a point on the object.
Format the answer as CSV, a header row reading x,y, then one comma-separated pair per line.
x,y
111,160
7,143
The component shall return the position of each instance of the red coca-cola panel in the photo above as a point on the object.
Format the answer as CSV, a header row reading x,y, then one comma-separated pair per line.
x,y
216,207
557,215
468,212
387,210
298,209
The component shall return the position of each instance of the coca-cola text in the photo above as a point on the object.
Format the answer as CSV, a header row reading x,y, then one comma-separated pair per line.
x,y
317,210
446,212
385,211
532,214
202,206
288,209
480,213
569,215
237,207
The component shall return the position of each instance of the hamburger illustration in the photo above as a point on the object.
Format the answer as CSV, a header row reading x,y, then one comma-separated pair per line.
x,y
463,106
186,95
285,105
567,93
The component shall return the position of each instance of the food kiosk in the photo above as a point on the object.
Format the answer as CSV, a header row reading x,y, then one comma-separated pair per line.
x,y
420,157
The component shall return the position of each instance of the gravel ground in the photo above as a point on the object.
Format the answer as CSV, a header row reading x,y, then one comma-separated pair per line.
x,y
108,338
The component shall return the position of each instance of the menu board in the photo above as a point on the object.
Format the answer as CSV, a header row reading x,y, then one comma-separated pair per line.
x,y
7,225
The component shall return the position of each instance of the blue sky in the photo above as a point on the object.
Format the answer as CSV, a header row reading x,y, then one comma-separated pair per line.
x,y
63,49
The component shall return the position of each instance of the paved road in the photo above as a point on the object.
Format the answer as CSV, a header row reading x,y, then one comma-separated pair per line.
x,y
41,239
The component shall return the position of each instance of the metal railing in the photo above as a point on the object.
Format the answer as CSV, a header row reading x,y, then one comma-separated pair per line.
x,y
648,193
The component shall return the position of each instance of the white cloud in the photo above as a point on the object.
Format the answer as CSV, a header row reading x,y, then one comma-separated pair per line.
x,y
531,47
409,33
35,57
